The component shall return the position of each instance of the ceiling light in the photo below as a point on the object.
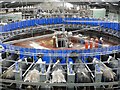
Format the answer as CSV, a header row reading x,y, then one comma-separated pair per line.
x,y
106,3
13,1
1,1
96,3
115,4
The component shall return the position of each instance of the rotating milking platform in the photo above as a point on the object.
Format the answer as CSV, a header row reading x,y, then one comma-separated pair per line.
x,y
45,70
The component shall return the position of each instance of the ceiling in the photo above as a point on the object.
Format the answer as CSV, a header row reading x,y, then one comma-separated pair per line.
x,y
61,0
19,3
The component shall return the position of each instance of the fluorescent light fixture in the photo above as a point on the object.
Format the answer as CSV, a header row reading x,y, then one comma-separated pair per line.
x,y
115,4
13,1
96,3
106,3
78,8
1,1
68,5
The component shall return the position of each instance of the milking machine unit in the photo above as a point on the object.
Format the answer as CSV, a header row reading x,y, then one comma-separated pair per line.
x,y
43,72
70,75
18,72
119,71
98,76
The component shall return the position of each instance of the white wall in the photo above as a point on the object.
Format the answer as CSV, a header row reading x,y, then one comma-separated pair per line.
x,y
13,16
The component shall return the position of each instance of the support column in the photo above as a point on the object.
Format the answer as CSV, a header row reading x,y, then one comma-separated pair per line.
x,y
98,76
18,73
70,76
43,76
118,71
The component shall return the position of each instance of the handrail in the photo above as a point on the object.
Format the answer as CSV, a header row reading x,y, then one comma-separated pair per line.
x,y
58,84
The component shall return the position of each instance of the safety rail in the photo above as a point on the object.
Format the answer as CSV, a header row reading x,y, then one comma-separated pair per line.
x,y
46,21
60,53
60,84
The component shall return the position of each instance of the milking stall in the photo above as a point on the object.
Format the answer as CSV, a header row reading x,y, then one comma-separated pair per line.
x,y
59,45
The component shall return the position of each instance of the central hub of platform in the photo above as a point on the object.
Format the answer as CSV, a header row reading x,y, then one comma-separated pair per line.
x,y
64,40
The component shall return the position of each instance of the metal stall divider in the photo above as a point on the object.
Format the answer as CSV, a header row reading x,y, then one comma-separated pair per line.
x,y
106,24
54,20
107,50
90,23
60,21
103,24
97,23
45,21
86,53
94,23
18,68
25,24
42,21
119,70
98,77
21,53
70,73
15,26
42,67
33,22
36,22
46,57
5,28
64,20
51,21
113,26
118,47
28,23
97,53
1,29
62,55
119,27
110,25
8,29
20,24
113,49
12,26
